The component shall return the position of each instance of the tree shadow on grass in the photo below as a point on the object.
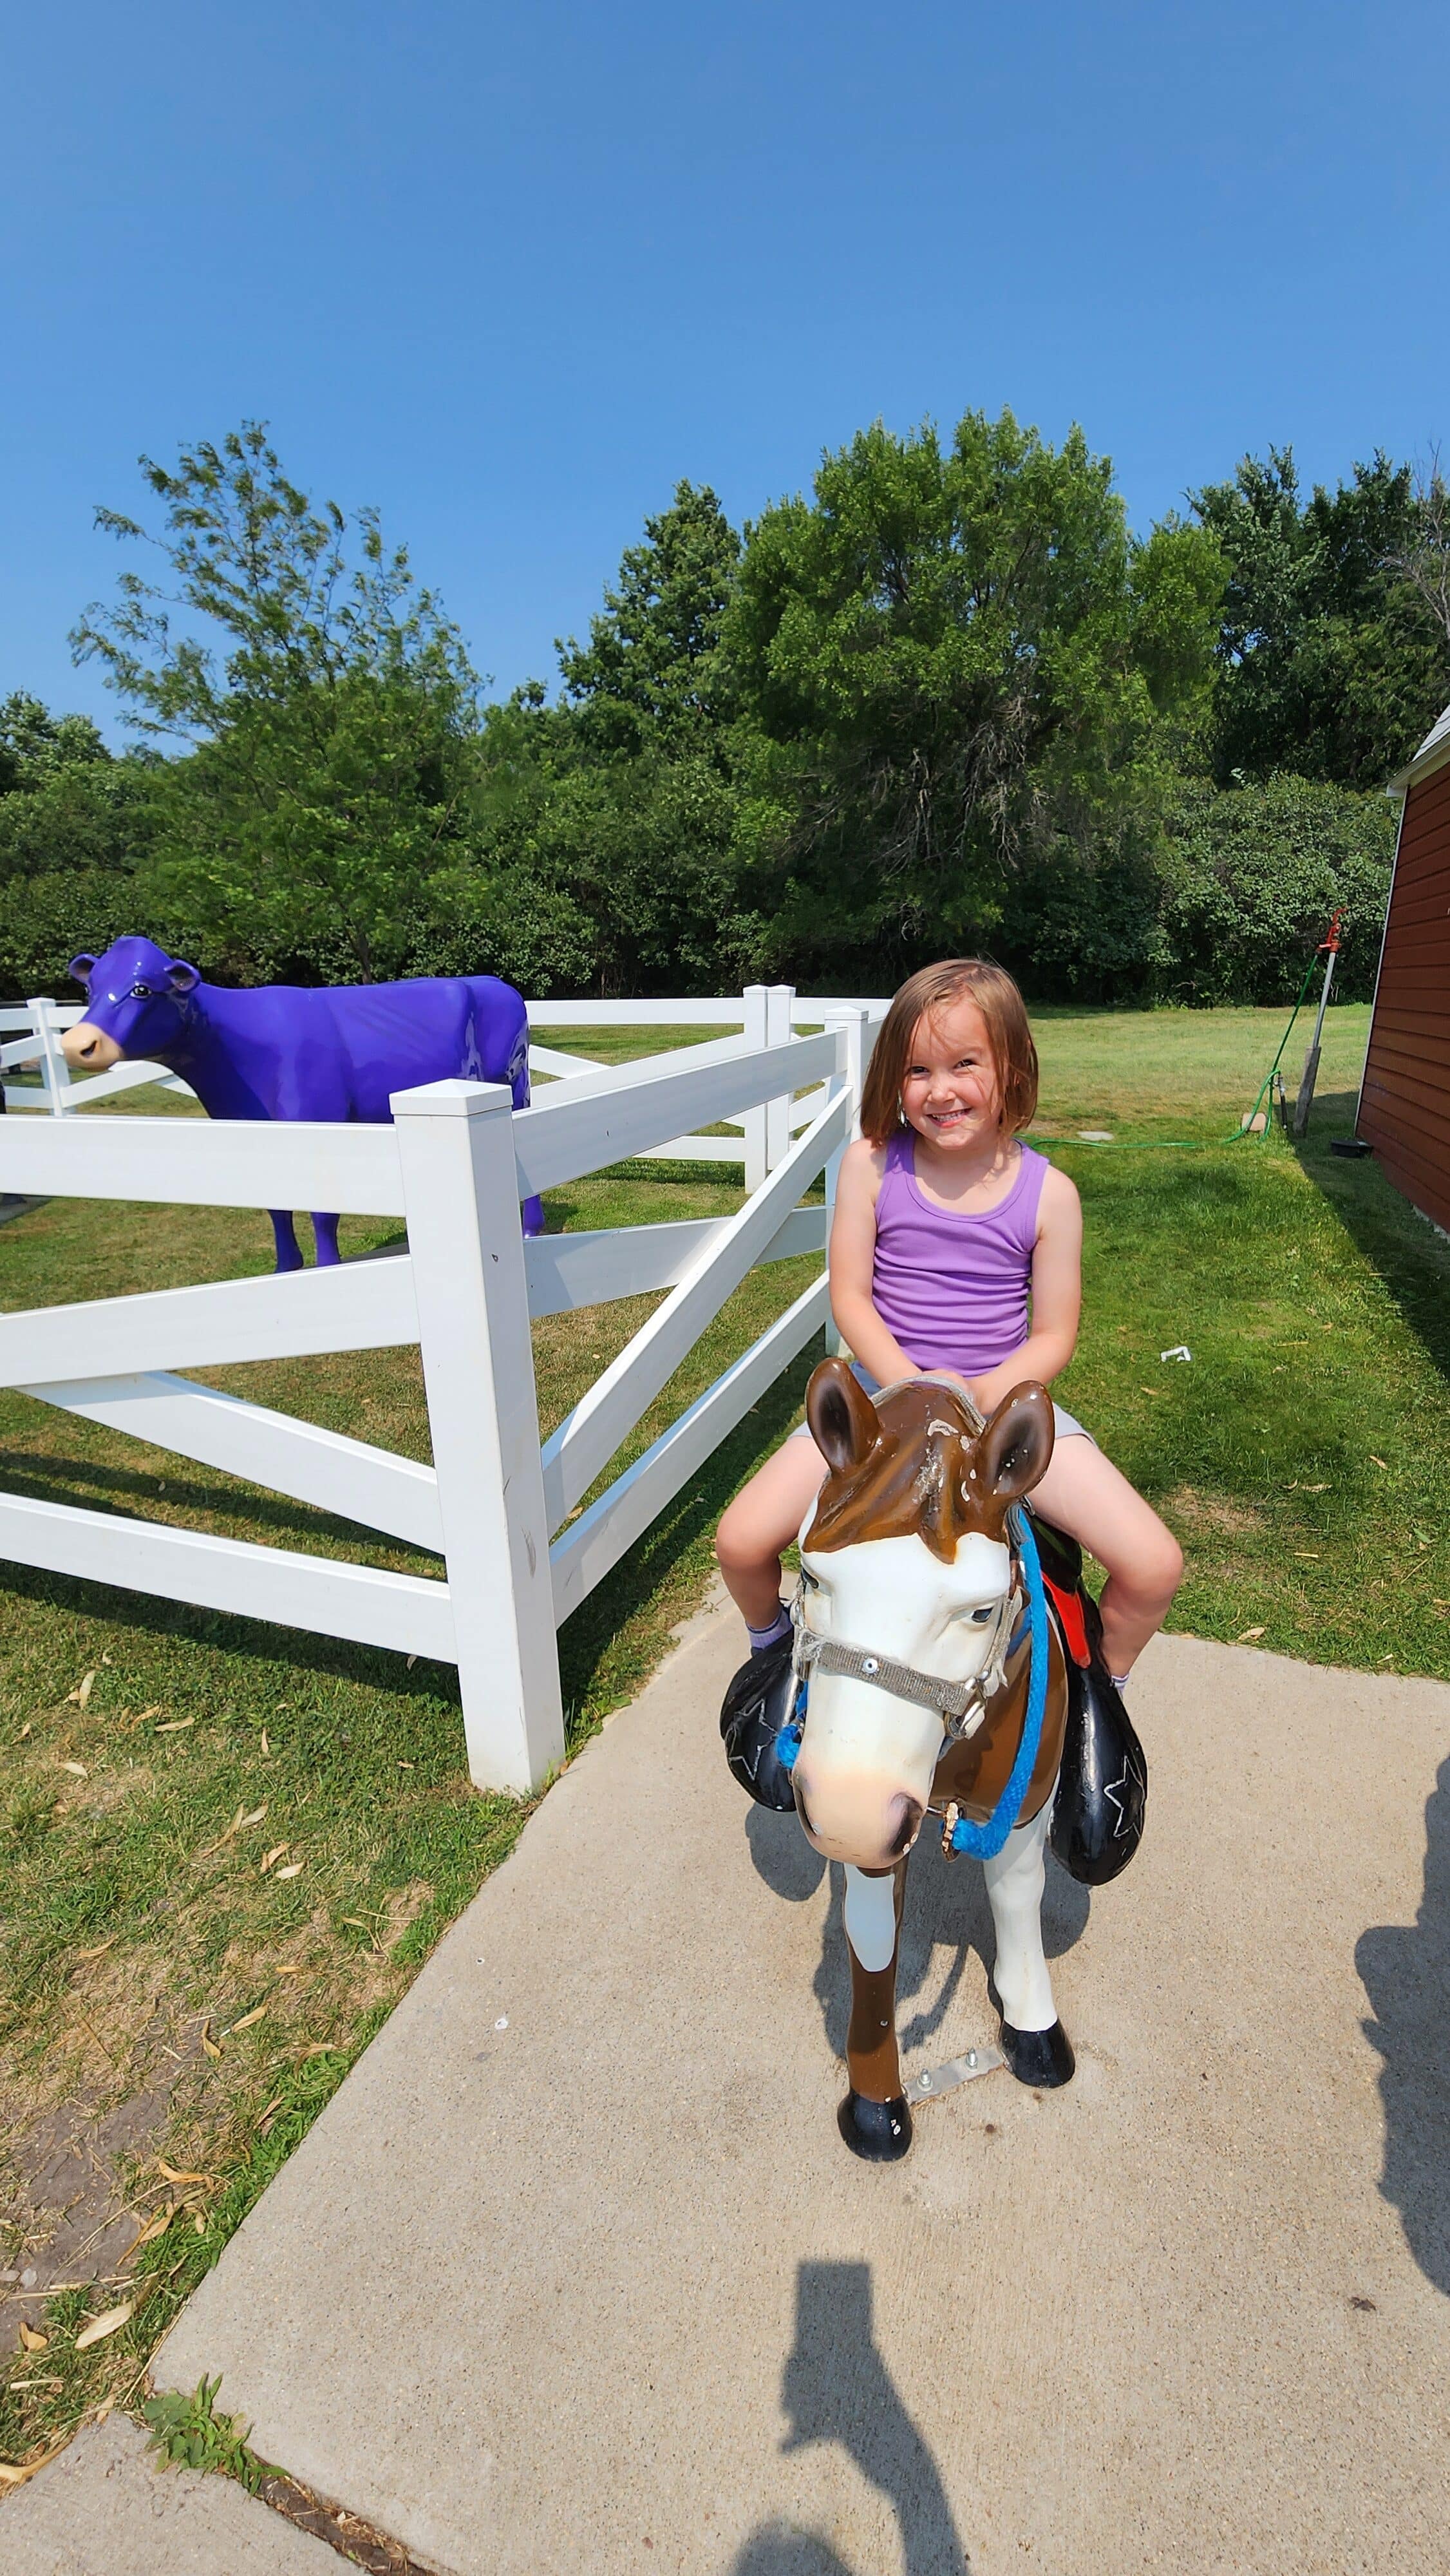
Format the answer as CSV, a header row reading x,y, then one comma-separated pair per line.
x,y
584,1641
41,1475
588,1635
298,1650
1406,1974
1410,1258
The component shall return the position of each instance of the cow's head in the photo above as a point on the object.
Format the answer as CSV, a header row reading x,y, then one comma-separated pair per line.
x,y
135,1005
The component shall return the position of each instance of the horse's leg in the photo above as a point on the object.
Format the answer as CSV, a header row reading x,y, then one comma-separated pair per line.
x,y
874,2119
324,1235
289,1256
1034,2043
533,1216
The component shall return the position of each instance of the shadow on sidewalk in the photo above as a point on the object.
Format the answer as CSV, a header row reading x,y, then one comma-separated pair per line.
x,y
836,2388
1406,1974
946,1910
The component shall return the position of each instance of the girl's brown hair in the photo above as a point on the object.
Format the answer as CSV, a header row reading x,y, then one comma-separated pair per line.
x,y
1014,1057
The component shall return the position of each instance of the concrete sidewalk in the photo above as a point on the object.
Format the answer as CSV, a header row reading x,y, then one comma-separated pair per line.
x,y
107,2508
574,2276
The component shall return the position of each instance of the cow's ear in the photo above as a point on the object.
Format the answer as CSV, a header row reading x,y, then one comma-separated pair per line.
x,y
181,978
81,969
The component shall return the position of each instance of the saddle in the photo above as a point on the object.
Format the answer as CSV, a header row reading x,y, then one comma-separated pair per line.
x,y
1102,1788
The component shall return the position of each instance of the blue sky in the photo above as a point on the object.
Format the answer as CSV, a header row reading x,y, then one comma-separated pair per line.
x,y
509,273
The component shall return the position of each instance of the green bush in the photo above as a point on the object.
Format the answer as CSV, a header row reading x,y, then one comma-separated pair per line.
x,y
1226,905
1248,877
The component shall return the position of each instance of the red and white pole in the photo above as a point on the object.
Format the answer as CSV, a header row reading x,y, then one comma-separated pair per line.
x,y
1329,950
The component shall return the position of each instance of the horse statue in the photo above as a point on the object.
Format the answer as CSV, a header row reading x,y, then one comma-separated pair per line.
x,y
938,1667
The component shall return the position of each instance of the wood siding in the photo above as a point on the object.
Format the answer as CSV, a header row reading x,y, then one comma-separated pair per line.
x,y
1405,1105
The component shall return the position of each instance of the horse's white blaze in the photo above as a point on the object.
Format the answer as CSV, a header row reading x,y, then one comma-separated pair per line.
x,y
863,1749
871,1917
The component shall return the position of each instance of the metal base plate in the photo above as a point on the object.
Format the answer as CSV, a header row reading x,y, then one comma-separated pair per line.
x,y
936,2080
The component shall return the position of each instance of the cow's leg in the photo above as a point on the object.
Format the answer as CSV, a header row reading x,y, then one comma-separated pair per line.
x,y
324,1235
1034,2043
874,2119
533,1216
289,1255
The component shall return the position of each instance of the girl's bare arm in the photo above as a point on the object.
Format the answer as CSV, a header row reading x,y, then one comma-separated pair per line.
x,y
1056,1296
853,1247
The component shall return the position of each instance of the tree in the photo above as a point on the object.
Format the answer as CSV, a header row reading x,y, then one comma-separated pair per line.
x,y
75,824
36,746
651,674
958,661
1423,558
1331,664
329,729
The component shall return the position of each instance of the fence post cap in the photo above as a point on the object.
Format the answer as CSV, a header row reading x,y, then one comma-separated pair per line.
x,y
453,1098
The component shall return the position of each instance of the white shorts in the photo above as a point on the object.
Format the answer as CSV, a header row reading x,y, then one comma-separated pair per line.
x,y
1065,1425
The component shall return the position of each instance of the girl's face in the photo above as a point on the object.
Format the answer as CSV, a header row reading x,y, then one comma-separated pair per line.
x,y
949,1090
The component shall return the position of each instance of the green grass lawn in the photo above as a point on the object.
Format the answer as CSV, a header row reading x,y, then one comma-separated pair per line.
x,y
166,2000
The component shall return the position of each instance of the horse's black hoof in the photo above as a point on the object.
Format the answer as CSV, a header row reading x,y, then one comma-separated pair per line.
x,y
1041,2058
879,2131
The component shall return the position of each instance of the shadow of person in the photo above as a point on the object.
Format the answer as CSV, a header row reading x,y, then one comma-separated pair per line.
x,y
1405,1969
779,2551
836,2388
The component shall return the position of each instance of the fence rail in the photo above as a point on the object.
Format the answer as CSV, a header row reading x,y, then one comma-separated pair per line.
x,y
764,1013
501,1510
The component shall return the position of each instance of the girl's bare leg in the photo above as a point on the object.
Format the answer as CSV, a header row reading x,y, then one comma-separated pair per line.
x,y
1085,1494
764,1517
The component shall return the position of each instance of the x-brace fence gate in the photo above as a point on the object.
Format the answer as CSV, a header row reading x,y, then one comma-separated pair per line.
x,y
499,1509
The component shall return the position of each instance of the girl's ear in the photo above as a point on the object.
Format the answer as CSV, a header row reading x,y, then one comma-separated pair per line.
x,y
1015,1448
842,1417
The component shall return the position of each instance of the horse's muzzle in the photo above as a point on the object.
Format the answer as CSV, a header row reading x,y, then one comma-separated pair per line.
x,y
849,1820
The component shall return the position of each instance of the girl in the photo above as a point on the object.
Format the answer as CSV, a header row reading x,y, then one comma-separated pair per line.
x,y
943,1223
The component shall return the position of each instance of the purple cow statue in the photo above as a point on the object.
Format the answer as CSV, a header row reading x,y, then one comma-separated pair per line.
x,y
291,1051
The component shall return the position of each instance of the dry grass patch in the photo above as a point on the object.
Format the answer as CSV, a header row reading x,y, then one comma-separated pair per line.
x,y
1188,1510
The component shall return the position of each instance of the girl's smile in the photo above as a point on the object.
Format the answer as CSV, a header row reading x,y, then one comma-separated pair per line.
x,y
949,1091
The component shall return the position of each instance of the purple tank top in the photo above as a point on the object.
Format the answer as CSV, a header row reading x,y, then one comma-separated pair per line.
x,y
953,1289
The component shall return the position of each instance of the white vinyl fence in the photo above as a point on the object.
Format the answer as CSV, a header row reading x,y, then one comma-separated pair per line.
x,y
764,1013
500,1511
30,1036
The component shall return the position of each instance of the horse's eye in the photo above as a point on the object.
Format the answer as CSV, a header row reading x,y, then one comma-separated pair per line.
x,y
980,1617
809,1580
139,993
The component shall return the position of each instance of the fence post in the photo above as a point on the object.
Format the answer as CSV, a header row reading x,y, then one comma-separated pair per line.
x,y
756,998
779,1003
460,1188
850,1023
54,1071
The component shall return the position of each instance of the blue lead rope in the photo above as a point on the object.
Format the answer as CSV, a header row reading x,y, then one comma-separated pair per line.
x,y
985,1841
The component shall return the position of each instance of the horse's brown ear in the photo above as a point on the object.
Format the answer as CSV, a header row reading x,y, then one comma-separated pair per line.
x,y
1015,1447
842,1417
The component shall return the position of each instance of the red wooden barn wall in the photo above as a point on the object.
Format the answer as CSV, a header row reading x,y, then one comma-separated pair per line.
x,y
1405,1105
